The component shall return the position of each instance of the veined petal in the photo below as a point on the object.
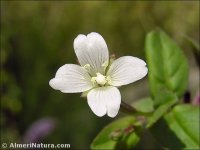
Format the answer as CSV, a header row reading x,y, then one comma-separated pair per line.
x,y
104,100
92,50
71,78
127,69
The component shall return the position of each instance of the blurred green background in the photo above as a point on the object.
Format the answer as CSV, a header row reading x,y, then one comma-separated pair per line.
x,y
37,38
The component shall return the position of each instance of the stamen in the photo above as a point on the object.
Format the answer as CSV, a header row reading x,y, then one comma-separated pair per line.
x,y
87,66
108,79
105,64
93,79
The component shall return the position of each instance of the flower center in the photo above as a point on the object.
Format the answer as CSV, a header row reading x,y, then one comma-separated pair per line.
x,y
101,79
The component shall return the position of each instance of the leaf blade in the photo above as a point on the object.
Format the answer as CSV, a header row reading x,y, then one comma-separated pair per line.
x,y
168,68
144,105
184,120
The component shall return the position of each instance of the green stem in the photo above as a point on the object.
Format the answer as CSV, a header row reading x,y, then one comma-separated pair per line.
x,y
126,108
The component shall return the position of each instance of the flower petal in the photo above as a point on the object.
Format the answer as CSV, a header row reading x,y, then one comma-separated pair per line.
x,y
71,78
92,50
104,100
126,70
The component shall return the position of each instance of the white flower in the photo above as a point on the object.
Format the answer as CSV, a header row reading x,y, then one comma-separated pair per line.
x,y
98,75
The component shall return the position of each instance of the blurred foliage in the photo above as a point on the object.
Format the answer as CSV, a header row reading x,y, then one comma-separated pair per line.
x,y
37,38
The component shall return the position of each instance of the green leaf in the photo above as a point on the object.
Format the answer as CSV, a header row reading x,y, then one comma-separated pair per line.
x,y
164,97
116,134
184,121
144,105
169,100
168,67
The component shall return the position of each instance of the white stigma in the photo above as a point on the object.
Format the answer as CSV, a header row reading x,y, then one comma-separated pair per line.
x,y
99,79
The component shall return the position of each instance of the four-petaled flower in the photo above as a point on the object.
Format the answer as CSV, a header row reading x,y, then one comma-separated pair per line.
x,y
98,75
